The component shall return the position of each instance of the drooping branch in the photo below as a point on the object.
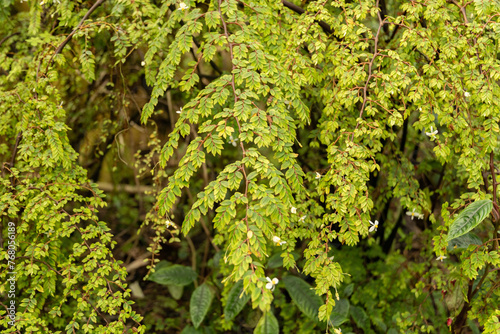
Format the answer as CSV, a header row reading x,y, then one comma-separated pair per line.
x,y
299,10
70,36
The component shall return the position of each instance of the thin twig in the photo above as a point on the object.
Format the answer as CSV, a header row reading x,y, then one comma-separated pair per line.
x,y
66,41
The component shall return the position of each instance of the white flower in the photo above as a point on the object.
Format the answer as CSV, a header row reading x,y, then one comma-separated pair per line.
x,y
337,331
318,176
413,214
233,141
331,258
272,283
170,224
179,111
441,258
466,94
373,226
143,63
302,219
432,134
182,6
293,209
49,232
277,241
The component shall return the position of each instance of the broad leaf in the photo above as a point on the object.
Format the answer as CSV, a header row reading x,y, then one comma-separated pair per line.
x,y
469,218
268,324
200,303
340,313
464,241
176,275
234,303
360,317
303,296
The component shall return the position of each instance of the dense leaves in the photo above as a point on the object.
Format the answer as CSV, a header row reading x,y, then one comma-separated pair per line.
x,y
302,161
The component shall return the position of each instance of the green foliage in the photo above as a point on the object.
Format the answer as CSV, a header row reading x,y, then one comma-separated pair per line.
x,y
303,296
173,275
343,150
469,218
268,324
236,301
200,303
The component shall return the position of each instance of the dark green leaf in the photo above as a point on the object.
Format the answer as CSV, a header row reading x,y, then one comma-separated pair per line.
x,y
303,296
175,291
340,313
464,241
268,324
190,330
469,218
176,275
234,303
200,303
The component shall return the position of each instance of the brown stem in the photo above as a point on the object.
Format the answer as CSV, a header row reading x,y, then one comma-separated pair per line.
x,y
66,41
299,10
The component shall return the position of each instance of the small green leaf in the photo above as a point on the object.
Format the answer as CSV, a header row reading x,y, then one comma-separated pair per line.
x,y
176,275
234,303
340,313
462,242
303,296
268,324
469,218
201,299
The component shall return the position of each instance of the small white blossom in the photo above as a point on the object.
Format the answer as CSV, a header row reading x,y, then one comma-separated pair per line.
x,y
293,209
466,94
233,141
49,232
337,331
432,134
414,214
277,241
179,111
170,224
271,283
182,6
143,63
373,226
302,219
318,176
331,258
441,258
